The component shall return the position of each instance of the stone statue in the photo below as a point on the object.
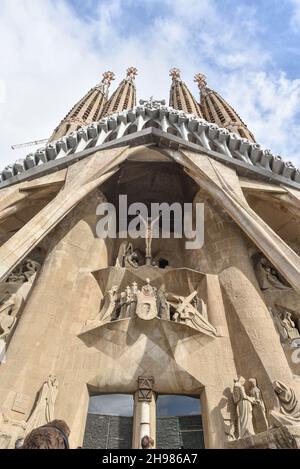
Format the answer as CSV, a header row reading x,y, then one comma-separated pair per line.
x,y
243,404
16,276
121,308
109,306
24,272
163,305
131,302
8,310
10,431
200,306
149,224
30,269
268,277
12,297
229,428
147,302
43,411
289,325
187,314
260,421
148,289
289,413
285,325
127,257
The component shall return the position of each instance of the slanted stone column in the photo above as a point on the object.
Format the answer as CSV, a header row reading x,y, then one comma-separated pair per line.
x,y
144,418
45,342
236,308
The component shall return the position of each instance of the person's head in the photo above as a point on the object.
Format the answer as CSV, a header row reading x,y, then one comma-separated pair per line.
x,y
147,442
53,435
240,380
19,443
252,382
61,424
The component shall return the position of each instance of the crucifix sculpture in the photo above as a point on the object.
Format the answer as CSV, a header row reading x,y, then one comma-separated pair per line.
x,y
149,224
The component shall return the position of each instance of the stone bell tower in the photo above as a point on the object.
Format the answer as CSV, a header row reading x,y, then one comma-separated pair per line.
x,y
87,312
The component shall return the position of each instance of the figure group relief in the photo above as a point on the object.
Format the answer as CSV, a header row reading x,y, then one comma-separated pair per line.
x,y
13,294
41,414
287,325
251,415
148,302
268,277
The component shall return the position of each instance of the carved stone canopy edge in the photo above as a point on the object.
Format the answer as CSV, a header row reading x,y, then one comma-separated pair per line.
x,y
185,278
186,126
94,331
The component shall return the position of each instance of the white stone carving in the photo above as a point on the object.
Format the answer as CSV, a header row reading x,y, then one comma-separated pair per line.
x,y
243,404
147,302
186,126
289,411
189,312
43,411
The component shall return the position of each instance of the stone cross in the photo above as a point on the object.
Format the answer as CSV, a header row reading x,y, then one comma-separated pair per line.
x,y
175,74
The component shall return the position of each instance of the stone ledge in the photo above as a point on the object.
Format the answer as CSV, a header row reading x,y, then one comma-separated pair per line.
x,y
284,437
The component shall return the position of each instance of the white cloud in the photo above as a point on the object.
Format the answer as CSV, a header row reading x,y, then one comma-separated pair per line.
x,y
295,19
112,404
270,104
51,56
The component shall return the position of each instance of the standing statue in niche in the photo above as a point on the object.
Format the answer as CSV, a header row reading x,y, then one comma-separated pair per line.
x,y
127,257
44,409
187,314
259,409
268,277
289,413
243,404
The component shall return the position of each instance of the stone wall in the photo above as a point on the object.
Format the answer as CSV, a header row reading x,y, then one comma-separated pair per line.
x,y
110,431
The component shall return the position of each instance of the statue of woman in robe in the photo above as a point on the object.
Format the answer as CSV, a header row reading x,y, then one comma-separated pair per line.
x,y
243,404
259,409
44,409
289,412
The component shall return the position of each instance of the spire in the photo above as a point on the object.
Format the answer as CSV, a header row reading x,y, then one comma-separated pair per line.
x,y
180,96
215,109
124,97
87,110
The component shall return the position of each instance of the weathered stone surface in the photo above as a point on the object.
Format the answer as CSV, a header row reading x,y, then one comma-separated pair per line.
x,y
69,327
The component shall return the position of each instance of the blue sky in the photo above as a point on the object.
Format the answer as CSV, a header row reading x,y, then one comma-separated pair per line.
x,y
122,404
53,51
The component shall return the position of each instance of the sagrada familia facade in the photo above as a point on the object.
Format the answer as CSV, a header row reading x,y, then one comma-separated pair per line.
x,y
83,315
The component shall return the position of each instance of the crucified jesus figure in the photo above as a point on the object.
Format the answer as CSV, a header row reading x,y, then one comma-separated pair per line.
x,y
149,224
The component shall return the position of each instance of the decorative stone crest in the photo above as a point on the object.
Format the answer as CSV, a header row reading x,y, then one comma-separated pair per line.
x,y
145,387
146,302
